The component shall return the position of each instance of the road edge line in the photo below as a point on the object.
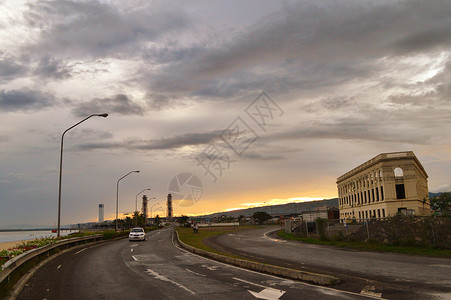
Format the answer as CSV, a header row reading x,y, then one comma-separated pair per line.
x,y
320,279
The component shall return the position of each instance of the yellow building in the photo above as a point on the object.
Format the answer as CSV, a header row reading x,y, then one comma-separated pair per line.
x,y
383,186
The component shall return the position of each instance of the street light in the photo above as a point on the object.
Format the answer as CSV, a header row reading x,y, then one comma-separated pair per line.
x,y
61,166
136,206
151,216
117,192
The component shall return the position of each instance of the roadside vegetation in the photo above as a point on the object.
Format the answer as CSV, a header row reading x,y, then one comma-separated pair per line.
x,y
187,236
24,246
370,246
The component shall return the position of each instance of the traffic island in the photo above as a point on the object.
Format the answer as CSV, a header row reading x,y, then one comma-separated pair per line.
x,y
310,277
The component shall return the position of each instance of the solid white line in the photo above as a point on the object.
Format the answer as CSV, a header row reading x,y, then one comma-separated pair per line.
x,y
80,251
134,258
274,276
164,278
256,284
265,235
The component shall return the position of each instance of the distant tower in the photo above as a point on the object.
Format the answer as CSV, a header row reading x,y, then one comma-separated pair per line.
x,y
169,218
101,213
145,201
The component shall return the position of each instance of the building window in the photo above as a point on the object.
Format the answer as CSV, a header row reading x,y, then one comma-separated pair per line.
x,y
364,193
400,191
377,194
379,213
382,193
383,213
398,172
372,194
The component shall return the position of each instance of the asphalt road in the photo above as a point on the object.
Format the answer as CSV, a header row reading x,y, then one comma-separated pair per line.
x,y
393,276
158,269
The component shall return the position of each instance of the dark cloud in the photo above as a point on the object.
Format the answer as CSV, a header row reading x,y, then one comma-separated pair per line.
x,y
91,28
49,67
25,100
356,131
309,45
10,69
174,142
255,156
119,104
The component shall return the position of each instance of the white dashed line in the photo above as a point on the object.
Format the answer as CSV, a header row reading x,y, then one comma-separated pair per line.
x,y
196,273
58,267
134,258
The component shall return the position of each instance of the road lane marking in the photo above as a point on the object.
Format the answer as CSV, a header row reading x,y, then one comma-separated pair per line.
x,y
267,293
134,258
195,273
131,250
265,235
164,278
369,290
58,267
256,284
441,266
339,292
80,251
211,268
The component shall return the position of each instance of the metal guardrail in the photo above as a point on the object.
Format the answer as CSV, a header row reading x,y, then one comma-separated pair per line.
x,y
16,267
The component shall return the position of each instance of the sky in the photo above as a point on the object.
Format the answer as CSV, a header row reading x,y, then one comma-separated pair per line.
x,y
237,103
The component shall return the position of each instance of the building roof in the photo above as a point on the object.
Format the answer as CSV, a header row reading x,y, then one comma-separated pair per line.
x,y
380,158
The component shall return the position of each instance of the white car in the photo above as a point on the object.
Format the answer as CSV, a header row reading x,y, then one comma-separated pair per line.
x,y
137,234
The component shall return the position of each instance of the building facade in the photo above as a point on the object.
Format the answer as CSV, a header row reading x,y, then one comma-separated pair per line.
x,y
383,186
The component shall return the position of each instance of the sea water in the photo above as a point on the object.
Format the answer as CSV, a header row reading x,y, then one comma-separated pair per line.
x,y
12,236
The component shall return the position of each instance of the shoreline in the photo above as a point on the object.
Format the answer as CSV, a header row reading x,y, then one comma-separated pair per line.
x,y
7,245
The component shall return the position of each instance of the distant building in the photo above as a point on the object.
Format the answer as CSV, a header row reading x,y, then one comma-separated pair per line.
x,y
311,216
101,213
383,186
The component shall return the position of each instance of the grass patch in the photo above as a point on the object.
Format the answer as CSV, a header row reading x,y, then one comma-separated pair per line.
x,y
187,236
368,246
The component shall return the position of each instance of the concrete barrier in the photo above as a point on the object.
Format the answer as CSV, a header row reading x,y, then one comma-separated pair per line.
x,y
320,279
16,267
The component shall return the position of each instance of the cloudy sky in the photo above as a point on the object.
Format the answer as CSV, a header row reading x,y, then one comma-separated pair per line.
x,y
344,81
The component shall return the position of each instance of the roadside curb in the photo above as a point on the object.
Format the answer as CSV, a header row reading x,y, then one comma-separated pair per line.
x,y
320,279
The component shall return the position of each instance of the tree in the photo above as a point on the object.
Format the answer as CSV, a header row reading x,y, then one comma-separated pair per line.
x,y
242,219
128,222
442,203
157,220
183,219
261,217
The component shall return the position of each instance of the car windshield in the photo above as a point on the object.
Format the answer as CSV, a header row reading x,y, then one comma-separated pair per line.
x,y
137,230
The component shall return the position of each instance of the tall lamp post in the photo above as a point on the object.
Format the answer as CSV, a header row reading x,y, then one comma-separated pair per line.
x,y
136,206
61,166
151,216
117,194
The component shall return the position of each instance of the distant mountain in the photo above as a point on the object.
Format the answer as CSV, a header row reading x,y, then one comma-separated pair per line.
x,y
433,195
24,226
